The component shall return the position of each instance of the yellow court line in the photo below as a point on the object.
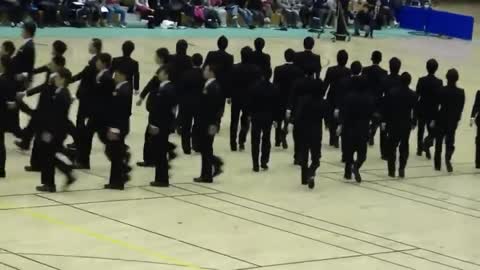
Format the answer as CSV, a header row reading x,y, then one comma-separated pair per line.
x,y
102,237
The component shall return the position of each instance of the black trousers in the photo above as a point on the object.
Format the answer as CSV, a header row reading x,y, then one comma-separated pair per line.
x,y
445,133
3,152
50,12
85,136
209,160
161,145
52,158
13,122
281,131
354,144
398,139
477,146
148,148
332,128
186,116
424,124
116,151
260,139
310,145
237,109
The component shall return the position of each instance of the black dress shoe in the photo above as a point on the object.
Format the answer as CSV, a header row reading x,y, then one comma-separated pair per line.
x,y
172,155
356,174
277,144
159,184
70,179
438,168
109,186
419,153
371,142
233,148
391,174
285,145
311,183
256,169
384,158
23,146
264,166
32,169
477,166
3,174
428,155
242,147
44,188
145,164
449,166
347,176
401,173
202,180
296,162
217,170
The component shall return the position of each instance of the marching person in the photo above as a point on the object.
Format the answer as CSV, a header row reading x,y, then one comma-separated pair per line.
x,y
475,119
307,59
129,64
208,115
399,118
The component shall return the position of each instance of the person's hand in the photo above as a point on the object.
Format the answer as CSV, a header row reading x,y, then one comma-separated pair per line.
x,y
20,96
113,134
212,130
432,124
153,130
136,92
140,102
336,113
47,137
339,130
21,76
288,113
472,121
11,105
383,126
275,124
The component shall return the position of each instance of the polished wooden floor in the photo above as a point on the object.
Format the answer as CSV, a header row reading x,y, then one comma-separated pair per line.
x,y
244,220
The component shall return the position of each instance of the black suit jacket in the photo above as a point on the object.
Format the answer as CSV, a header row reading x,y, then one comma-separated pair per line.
x,y
53,117
180,64
99,100
375,76
332,82
243,77
263,62
224,63
131,65
87,79
476,108
399,109
211,105
24,60
264,101
451,104
283,78
307,61
190,89
120,108
428,88
160,106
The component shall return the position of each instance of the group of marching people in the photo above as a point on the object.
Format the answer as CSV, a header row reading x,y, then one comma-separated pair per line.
x,y
188,95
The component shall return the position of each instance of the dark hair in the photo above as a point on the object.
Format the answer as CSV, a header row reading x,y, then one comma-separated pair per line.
x,y
5,61
59,47
308,43
395,65
197,59
164,54
245,54
127,48
106,59
377,57
259,44
97,44
289,55
59,60
342,57
182,47
432,66
452,76
406,78
65,74
30,28
222,43
9,47
356,67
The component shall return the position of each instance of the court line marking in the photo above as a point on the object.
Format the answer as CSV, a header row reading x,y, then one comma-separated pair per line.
x,y
340,225
9,266
29,259
103,238
150,231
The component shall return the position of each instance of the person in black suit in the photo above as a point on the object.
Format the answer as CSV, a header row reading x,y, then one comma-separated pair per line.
x,y
87,83
52,131
284,77
44,90
243,75
8,48
375,76
307,60
391,81
312,109
160,105
189,92
355,115
262,60
126,61
427,92
162,57
180,62
263,106
208,114
22,63
399,117
451,101
335,95
7,103
224,61
97,116
475,118
118,128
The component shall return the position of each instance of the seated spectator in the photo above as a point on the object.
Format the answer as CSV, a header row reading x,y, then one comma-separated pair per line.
x,y
267,10
365,20
113,6
145,12
238,7
290,10
50,9
16,10
218,7
256,8
315,13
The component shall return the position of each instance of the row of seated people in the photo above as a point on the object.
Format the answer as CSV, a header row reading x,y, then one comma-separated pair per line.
x,y
208,13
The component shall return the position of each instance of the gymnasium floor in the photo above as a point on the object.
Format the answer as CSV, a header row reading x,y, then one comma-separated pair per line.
x,y
430,220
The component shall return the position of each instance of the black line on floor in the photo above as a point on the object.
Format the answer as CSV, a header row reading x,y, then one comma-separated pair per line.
x,y
108,259
339,225
441,191
30,259
9,266
149,231
432,261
